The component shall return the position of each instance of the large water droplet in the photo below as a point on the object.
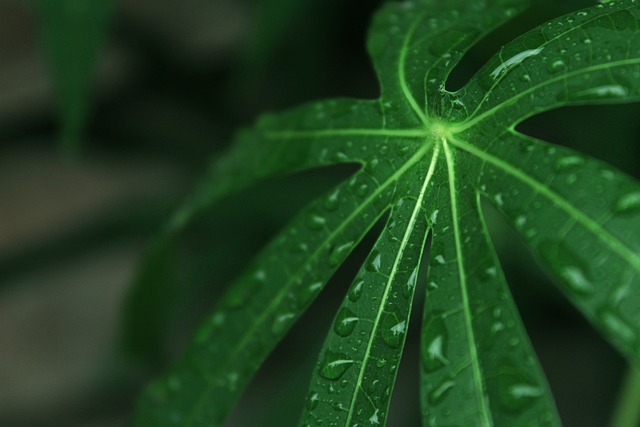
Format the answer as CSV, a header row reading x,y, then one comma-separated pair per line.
x,y
393,330
373,261
312,400
513,61
628,203
356,290
345,323
334,365
331,200
438,394
339,252
435,341
407,290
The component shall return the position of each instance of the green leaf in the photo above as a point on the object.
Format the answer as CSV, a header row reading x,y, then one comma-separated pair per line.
x,y
428,157
73,32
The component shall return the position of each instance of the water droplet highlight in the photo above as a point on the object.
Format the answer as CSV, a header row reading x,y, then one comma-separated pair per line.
x,y
567,163
513,61
315,222
282,322
628,203
435,341
339,253
331,200
440,392
373,262
346,322
334,365
393,330
312,401
356,290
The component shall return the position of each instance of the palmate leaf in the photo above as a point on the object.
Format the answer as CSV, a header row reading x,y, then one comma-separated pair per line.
x,y
428,157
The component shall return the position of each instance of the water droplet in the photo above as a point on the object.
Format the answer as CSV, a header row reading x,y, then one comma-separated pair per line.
x,y
331,200
525,78
513,61
435,339
605,91
311,291
315,222
498,199
434,216
362,189
356,290
628,203
556,66
374,420
577,279
568,266
312,401
346,322
383,150
407,290
392,330
567,163
373,261
339,252
439,259
380,363
440,392
616,326
282,322
334,365
516,390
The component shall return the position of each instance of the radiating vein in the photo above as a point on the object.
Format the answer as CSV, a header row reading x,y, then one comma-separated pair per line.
x,y
422,115
394,270
614,243
483,406
398,133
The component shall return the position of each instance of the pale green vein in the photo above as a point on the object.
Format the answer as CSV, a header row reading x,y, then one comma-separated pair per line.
x,y
483,406
614,243
422,115
323,133
394,270
246,337
472,121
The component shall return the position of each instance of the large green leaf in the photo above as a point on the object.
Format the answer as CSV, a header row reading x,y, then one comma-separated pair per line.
x,y
73,32
428,157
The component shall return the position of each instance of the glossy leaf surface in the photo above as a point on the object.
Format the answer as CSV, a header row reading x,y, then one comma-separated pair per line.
x,y
428,156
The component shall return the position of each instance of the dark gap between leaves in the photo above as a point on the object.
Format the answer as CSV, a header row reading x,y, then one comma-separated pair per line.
x,y
277,393
224,239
